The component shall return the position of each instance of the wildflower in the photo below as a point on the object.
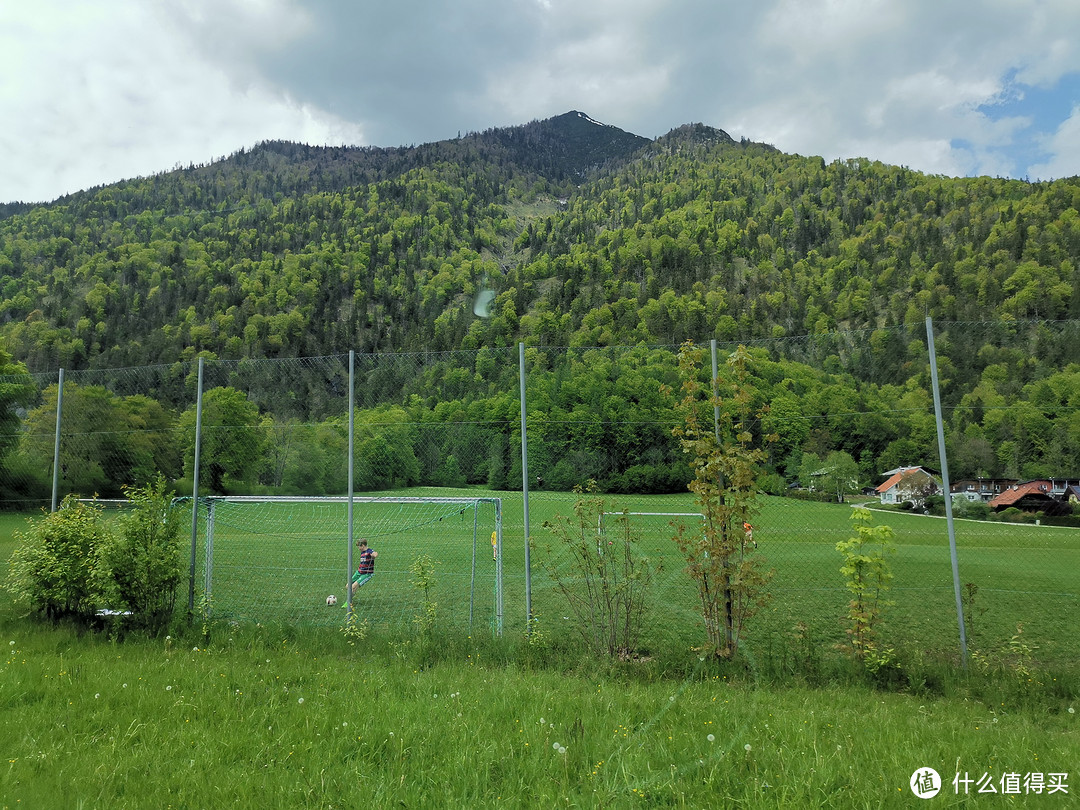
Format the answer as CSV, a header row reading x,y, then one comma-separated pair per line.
x,y
711,738
11,643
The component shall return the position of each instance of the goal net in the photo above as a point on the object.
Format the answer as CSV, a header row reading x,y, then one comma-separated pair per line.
x,y
281,558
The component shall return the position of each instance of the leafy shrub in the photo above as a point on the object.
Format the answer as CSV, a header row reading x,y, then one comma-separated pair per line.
x,y
140,567
53,564
868,578
606,582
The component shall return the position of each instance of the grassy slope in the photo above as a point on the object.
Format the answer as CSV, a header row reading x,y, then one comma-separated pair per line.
x,y
262,717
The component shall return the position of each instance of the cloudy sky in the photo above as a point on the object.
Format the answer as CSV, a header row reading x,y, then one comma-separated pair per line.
x,y
94,91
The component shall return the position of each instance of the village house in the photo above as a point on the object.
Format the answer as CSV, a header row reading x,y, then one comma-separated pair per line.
x,y
1040,495
981,489
908,484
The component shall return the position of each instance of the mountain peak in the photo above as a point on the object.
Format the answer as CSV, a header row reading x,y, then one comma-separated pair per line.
x,y
567,145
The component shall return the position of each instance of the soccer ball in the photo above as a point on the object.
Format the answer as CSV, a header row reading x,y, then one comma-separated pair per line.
x,y
331,600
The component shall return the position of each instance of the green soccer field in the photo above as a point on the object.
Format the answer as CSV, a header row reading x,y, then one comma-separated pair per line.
x,y
280,562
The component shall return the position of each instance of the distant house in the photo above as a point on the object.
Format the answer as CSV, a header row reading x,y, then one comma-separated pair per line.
x,y
907,484
981,489
1032,496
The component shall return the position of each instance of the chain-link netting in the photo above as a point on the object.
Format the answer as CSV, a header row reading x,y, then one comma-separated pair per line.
x,y
838,414
287,558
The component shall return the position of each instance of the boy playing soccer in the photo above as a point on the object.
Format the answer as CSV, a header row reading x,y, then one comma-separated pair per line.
x,y
366,569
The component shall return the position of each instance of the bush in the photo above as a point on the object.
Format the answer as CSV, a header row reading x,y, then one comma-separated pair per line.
x,y
53,564
140,568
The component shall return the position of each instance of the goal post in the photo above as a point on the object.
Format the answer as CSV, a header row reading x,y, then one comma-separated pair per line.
x,y
281,557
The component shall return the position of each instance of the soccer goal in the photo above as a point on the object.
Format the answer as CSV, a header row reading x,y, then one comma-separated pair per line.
x,y
281,558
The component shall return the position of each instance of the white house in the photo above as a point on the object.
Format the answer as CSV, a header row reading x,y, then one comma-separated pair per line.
x,y
907,484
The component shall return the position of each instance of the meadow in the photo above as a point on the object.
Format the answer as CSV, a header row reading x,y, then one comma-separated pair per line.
x,y
1020,583
267,713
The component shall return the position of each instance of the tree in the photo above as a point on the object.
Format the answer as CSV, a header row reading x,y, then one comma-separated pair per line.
x,y
16,390
233,445
839,475
721,558
107,441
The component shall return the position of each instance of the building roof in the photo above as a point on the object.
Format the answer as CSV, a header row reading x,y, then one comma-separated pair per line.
x,y
1022,490
898,475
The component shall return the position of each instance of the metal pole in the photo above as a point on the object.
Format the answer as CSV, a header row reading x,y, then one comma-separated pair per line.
x,y
472,576
498,568
715,390
195,491
525,488
945,486
349,531
56,442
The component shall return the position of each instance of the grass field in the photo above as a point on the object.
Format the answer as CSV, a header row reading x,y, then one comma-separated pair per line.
x,y
266,716
279,564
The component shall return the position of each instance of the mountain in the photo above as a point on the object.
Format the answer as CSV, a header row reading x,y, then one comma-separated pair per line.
x,y
589,237
558,150
589,234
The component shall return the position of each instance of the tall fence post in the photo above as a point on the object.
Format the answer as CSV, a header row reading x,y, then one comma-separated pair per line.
x,y
715,389
195,491
525,489
945,486
349,532
56,441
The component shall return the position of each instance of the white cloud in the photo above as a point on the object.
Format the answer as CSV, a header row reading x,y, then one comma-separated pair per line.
x,y
107,89
1064,150
106,96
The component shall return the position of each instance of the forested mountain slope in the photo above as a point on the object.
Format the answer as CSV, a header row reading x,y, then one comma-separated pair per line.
x,y
591,237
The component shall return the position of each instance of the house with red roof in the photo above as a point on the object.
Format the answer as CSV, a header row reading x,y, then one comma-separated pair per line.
x,y
908,484
1039,495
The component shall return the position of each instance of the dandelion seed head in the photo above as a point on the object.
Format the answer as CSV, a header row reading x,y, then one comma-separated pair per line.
x,y
1072,710
747,746
711,738
300,701
542,719
98,695
555,746
562,749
